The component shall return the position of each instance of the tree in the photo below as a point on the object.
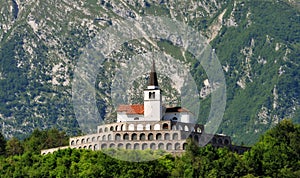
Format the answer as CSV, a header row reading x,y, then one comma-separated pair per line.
x,y
14,147
2,144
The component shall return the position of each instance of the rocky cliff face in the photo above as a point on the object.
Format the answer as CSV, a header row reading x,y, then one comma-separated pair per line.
x,y
256,42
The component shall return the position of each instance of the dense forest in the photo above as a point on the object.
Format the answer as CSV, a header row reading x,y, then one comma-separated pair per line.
x,y
276,154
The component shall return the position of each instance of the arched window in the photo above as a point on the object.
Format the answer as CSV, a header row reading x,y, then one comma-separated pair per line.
x,y
72,142
161,146
139,127
82,141
100,130
142,136
151,95
111,128
123,128
167,136
105,130
148,127
128,146
93,139
118,137
152,146
126,136
112,145
158,136
144,146
109,137
156,127
180,127
90,147
104,137
120,145
175,136
103,146
134,136
186,128
169,146
177,146
150,136
131,127
136,146
96,147
77,142
165,126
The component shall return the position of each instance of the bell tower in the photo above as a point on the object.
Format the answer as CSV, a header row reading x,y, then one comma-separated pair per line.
x,y
152,98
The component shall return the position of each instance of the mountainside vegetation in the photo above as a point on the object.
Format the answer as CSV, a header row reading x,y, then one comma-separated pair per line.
x,y
276,154
257,43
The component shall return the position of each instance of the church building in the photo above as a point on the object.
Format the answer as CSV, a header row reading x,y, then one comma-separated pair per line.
x,y
149,126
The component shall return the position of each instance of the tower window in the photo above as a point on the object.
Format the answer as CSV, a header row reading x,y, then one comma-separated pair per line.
x,y
151,95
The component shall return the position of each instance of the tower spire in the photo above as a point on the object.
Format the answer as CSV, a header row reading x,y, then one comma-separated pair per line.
x,y
153,76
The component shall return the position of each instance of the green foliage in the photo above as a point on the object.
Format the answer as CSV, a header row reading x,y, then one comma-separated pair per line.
x,y
2,145
277,154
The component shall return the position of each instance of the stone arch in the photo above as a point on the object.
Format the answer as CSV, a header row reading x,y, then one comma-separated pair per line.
x,y
139,127
104,137
180,127
156,127
134,136
72,142
150,136
82,141
96,147
98,138
220,141
174,127
120,145
177,146
112,145
111,128
169,146
175,136
109,137
123,128
165,126
88,140
117,128
142,136
144,146
184,146
136,146
226,141
106,129
100,130
117,137
152,146
77,142
126,136
93,139
167,136
148,127
186,128
103,146
161,146
158,136
91,147
131,127
85,147
128,146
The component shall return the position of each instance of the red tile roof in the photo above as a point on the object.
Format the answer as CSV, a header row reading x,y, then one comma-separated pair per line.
x,y
131,109
139,109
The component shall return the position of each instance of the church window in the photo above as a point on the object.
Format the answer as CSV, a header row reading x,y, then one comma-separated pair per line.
x,y
151,95
142,137
126,137
165,126
134,136
150,136
169,146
